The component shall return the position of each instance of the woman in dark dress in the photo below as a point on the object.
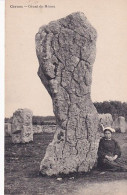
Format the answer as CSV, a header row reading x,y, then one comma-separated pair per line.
x,y
109,152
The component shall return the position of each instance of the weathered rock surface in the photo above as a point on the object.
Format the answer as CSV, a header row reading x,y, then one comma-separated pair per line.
x,y
120,124
22,129
106,120
66,51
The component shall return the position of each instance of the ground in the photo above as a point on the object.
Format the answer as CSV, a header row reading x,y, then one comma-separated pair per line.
x,y
22,176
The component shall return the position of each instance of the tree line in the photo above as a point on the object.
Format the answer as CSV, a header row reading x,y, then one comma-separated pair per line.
x,y
43,120
38,120
115,108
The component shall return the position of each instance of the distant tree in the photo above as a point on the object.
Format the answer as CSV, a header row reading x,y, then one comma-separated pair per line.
x,y
115,108
37,120
43,120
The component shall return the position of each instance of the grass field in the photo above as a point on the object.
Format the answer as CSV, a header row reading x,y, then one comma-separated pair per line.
x,y
22,176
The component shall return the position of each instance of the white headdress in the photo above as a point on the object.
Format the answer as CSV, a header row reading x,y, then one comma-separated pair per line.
x,y
110,129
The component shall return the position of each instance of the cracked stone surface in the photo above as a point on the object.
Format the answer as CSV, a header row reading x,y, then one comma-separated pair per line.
x,y
66,51
22,129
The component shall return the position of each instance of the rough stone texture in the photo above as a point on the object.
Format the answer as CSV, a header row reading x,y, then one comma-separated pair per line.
x,y
22,129
106,120
66,50
120,124
7,127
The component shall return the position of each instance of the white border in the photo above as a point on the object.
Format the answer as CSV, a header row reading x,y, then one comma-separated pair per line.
x,y
2,73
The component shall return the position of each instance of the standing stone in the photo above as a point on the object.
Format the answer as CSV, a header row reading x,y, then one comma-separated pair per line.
x,y
22,129
66,51
37,128
49,128
120,124
7,127
106,120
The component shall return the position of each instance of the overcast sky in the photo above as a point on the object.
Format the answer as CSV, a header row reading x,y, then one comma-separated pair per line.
x,y
23,87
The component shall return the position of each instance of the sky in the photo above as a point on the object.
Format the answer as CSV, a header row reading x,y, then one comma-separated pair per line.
x,y
23,88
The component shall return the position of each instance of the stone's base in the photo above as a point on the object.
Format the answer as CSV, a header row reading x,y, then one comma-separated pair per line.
x,y
16,138
65,156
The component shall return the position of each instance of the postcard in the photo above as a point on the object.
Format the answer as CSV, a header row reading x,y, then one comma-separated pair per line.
x,y
65,97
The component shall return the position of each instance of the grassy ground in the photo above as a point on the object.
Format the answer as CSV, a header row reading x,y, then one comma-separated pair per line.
x,y
22,176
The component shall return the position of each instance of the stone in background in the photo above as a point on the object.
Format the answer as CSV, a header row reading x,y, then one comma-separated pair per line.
x,y
44,128
22,129
120,124
106,120
49,128
7,127
66,51
37,129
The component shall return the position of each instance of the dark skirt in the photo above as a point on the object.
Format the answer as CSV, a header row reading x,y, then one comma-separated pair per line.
x,y
117,165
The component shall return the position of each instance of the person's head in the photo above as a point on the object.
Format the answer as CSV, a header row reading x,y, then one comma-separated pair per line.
x,y
107,134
